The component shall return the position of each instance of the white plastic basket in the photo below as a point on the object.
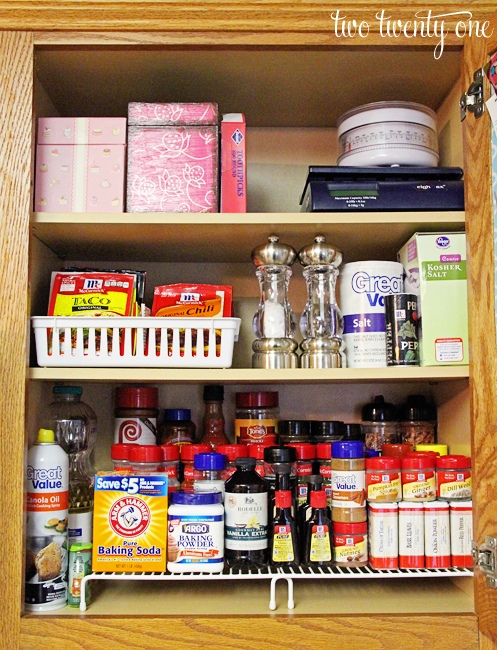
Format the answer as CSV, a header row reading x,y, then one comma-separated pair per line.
x,y
132,342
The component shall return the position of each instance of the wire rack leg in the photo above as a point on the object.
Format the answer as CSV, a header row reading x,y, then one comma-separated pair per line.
x,y
82,602
272,596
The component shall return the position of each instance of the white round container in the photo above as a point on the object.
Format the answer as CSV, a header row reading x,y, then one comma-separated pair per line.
x,y
461,533
388,133
363,287
195,532
383,535
437,535
411,535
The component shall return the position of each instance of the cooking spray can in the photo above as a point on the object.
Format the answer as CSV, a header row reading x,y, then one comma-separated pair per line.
x,y
47,517
401,327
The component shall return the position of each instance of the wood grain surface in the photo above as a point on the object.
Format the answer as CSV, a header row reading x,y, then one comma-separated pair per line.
x,y
483,349
261,633
16,82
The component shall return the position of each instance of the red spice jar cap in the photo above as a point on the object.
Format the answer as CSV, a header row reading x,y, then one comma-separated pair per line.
x,y
145,454
120,451
283,499
350,529
136,397
233,451
189,451
264,400
419,462
396,450
323,450
383,462
318,499
426,454
170,452
453,462
305,451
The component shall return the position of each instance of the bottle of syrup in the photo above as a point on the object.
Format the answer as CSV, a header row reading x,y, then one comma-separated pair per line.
x,y
284,538
317,547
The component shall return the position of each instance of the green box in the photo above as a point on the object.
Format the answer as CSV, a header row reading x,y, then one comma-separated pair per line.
x,y
435,270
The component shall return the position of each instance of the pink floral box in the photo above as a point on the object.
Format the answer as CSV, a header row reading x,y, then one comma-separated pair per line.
x,y
142,114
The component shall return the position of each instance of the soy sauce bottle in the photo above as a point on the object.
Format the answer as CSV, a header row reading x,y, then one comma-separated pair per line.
x,y
284,538
314,483
246,517
317,547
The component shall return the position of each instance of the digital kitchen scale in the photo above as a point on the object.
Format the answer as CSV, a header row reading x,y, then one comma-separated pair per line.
x,y
376,189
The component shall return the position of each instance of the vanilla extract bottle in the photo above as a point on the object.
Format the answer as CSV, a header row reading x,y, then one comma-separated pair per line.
x,y
314,483
317,546
284,537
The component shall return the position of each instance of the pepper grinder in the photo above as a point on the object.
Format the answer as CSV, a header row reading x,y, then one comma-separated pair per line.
x,y
274,321
321,323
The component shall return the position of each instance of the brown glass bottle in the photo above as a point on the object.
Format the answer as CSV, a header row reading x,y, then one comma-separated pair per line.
x,y
246,517
317,547
213,422
283,540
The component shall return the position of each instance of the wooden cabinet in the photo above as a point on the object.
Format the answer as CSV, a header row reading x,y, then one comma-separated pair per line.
x,y
283,67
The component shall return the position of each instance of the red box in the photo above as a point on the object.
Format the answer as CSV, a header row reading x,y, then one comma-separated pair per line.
x,y
233,164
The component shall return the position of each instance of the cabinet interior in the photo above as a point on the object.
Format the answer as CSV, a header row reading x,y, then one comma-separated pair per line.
x,y
291,99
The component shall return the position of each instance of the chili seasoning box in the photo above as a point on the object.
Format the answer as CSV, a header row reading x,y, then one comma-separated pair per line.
x,y
130,522
173,157
80,164
233,163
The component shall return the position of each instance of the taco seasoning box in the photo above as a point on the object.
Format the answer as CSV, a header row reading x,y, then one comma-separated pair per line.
x,y
79,567
136,412
119,454
232,452
350,544
411,535
418,478
461,533
383,479
348,479
256,417
306,453
437,535
453,478
384,535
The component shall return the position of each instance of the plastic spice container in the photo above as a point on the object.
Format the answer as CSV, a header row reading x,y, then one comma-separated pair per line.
x,y
352,431
177,428
146,458
257,452
453,478
418,479
326,431
306,453
136,412
350,544
397,450
291,431
323,455
195,538
461,533
383,479
384,535
437,535
209,469
256,417
169,466
416,424
232,452
442,450
411,535
120,456
379,423
188,453
348,478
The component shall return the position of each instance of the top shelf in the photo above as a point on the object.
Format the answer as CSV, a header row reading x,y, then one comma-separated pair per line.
x,y
160,237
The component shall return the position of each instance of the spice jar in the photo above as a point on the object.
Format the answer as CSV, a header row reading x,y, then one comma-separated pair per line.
x,y
348,482
437,535
384,535
379,423
418,479
257,452
350,544
383,479
326,431
232,452
306,453
461,533
188,453
441,450
291,431
395,450
280,471
213,421
177,428
120,456
453,478
169,466
416,424
351,431
136,412
323,456
411,535
145,458
209,469
256,417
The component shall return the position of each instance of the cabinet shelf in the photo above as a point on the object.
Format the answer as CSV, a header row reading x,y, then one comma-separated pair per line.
x,y
164,237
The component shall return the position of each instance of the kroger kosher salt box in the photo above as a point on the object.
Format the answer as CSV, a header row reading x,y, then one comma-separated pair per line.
x,y
435,270
173,157
80,164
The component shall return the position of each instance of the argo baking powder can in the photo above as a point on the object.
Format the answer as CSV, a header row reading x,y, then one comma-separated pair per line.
x,y
363,287
401,324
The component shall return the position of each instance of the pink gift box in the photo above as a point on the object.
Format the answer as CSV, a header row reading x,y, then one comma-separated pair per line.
x,y
173,168
80,165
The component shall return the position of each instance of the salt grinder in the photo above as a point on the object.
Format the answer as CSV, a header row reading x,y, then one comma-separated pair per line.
x,y
274,320
321,323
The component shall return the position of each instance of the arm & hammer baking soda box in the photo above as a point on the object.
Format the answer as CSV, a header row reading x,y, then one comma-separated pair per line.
x,y
130,522
435,270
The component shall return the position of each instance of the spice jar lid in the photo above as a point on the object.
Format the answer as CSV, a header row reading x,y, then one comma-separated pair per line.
x,y
421,462
379,411
319,499
283,499
441,449
371,453
190,498
145,454
264,400
209,461
120,451
305,451
417,454
136,397
453,462
273,253
352,431
384,462
246,463
350,529
293,428
188,452
395,450
320,253
257,451
213,393
275,455
327,429
314,479
177,414
170,452
232,452
416,408
323,450
347,449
